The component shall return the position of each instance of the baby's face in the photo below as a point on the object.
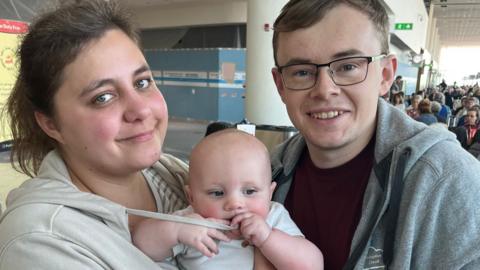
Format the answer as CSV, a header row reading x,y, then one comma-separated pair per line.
x,y
222,192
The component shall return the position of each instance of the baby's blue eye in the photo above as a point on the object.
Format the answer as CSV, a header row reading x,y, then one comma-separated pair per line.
x,y
216,193
249,191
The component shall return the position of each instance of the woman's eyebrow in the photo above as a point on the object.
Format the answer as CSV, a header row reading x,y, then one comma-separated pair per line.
x,y
101,82
141,69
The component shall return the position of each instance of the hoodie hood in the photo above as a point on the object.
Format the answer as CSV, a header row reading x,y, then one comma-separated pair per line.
x,y
397,134
394,132
54,186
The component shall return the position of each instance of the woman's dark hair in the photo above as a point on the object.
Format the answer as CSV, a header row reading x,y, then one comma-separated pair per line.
x,y
54,40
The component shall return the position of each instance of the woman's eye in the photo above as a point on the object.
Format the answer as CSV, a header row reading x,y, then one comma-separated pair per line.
x,y
103,98
143,83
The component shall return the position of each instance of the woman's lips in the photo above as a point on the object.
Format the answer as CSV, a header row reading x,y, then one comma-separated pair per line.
x,y
140,137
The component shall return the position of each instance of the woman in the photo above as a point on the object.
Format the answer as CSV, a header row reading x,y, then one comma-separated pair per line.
x,y
88,125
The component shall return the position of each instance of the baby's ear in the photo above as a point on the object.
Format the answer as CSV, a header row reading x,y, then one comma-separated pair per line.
x,y
189,193
272,188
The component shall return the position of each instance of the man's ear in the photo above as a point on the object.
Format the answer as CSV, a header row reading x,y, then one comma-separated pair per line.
x,y
47,124
189,193
388,74
272,188
277,78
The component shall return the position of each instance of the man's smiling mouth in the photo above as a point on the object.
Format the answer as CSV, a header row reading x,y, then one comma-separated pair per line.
x,y
326,115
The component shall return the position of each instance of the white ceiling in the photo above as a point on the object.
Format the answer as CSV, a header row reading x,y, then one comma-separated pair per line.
x,y
148,3
458,21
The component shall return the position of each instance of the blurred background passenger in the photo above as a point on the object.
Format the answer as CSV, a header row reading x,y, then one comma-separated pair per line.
x,y
436,109
468,103
398,101
445,111
412,110
425,113
468,134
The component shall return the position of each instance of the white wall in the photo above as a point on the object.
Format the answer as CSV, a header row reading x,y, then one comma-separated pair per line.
x,y
191,14
410,11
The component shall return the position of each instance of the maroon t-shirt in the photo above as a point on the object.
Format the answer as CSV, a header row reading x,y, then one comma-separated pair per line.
x,y
326,204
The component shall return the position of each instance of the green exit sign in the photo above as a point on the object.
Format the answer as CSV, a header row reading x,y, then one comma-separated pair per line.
x,y
403,26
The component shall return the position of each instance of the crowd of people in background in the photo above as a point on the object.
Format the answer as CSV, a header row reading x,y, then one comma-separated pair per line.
x,y
454,107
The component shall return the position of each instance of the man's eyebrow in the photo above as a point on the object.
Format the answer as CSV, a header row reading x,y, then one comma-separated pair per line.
x,y
294,61
342,54
99,83
347,53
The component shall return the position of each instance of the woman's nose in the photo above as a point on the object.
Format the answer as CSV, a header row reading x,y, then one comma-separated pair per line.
x,y
136,107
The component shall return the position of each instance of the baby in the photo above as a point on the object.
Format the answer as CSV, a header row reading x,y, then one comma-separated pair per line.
x,y
230,182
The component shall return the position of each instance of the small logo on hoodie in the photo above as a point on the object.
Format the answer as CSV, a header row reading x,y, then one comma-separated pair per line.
x,y
374,259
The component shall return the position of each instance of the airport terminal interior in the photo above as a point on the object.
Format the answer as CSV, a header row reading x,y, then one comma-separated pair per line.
x,y
212,59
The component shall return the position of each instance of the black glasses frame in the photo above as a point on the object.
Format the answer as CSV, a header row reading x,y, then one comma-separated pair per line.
x,y
369,59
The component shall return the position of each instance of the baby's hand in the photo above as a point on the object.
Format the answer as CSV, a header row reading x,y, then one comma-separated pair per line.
x,y
200,238
253,228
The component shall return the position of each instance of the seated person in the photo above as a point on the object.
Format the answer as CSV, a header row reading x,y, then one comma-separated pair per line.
x,y
412,110
436,109
230,180
425,113
469,103
468,134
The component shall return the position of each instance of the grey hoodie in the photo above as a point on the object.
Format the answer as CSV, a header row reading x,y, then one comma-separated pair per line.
x,y
50,224
430,219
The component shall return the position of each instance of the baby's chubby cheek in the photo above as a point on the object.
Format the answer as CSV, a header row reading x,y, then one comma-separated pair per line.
x,y
208,211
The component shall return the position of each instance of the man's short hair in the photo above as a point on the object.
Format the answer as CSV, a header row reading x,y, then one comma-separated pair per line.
x,y
298,14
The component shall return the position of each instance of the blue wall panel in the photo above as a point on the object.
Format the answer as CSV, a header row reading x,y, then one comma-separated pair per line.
x,y
183,103
409,74
193,85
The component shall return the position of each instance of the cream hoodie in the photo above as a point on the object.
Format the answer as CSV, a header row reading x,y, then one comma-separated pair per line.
x,y
49,224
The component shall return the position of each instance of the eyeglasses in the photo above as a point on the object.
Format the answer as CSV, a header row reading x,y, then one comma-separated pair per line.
x,y
344,72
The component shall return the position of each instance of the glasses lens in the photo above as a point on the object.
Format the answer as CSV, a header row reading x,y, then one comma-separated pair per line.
x,y
349,71
299,77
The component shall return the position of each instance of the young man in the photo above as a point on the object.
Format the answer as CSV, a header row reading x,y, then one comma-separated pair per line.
x,y
367,184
